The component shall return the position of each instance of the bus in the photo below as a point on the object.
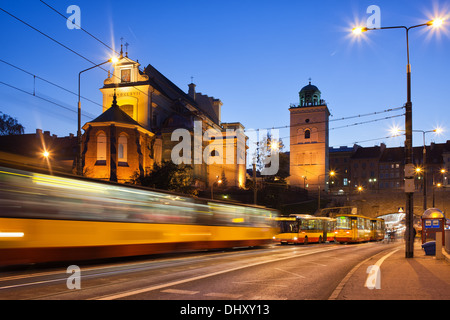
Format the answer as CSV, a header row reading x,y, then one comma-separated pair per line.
x,y
305,229
352,228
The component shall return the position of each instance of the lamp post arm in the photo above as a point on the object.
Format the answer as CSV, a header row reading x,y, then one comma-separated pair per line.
x,y
79,164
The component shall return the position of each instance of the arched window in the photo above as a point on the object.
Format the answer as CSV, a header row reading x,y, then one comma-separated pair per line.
x,y
122,148
101,149
307,134
128,109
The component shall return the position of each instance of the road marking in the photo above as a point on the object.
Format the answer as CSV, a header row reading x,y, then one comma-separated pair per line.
x,y
319,264
379,262
177,291
341,285
223,295
295,274
174,283
371,278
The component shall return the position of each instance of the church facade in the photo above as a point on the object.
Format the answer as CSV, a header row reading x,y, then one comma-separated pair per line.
x,y
141,111
309,142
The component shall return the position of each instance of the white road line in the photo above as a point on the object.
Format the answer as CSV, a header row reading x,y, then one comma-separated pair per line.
x,y
223,295
177,291
319,264
174,283
341,285
261,282
372,280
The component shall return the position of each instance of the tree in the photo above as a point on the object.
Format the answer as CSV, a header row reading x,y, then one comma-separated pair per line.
x,y
168,176
266,146
9,125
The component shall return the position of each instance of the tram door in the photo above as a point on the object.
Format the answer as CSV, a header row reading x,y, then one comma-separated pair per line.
x,y
325,226
354,228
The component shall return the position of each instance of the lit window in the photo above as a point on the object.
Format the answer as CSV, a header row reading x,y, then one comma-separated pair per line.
x,y
122,148
101,148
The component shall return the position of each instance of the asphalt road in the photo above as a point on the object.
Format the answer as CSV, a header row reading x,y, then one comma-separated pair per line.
x,y
268,273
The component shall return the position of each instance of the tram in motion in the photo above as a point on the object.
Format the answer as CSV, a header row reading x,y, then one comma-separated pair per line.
x,y
304,229
45,218
357,228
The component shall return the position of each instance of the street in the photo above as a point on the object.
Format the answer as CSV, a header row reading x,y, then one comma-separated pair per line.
x,y
274,272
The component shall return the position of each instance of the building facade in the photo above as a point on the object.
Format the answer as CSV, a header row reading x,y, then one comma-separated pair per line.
x,y
381,169
141,112
309,158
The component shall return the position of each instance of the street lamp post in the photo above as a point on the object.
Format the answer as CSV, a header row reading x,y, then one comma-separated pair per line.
x,y
218,181
331,173
79,162
409,166
424,167
423,170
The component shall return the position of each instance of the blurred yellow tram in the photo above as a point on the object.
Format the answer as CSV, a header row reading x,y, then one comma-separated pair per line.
x,y
305,229
47,218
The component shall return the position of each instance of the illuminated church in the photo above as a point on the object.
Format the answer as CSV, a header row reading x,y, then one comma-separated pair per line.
x,y
141,109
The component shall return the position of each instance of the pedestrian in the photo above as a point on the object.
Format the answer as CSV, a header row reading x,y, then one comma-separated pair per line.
x,y
393,234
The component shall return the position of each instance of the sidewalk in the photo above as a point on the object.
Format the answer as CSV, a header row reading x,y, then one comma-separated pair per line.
x,y
419,278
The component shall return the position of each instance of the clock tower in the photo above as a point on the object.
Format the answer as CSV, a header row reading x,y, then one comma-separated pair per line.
x,y
309,162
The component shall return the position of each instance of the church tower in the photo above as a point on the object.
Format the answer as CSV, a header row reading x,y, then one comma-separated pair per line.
x,y
309,162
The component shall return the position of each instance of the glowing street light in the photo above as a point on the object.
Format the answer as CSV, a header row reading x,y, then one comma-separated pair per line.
x,y
218,181
436,23
359,30
409,182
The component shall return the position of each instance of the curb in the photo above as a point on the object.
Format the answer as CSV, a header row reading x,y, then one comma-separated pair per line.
x,y
446,255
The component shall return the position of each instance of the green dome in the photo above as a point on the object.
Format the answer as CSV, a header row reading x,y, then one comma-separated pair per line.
x,y
310,95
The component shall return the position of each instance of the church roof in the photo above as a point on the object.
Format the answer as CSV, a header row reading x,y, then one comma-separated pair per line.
x,y
310,88
115,114
172,91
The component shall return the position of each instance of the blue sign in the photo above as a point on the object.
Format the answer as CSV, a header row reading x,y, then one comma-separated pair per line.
x,y
432,223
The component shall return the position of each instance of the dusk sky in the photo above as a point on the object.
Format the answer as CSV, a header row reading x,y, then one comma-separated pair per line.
x,y
254,56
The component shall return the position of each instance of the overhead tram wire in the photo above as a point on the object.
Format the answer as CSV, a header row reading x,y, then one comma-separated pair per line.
x,y
281,127
341,127
332,120
84,30
49,82
80,55
42,98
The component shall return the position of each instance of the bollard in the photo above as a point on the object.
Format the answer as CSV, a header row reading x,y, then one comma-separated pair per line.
x,y
439,254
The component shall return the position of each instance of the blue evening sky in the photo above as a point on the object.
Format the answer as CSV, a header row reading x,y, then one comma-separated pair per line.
x,y
253,55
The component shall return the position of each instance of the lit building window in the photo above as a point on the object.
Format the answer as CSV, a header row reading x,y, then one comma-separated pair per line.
x,y
101,148
122,148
